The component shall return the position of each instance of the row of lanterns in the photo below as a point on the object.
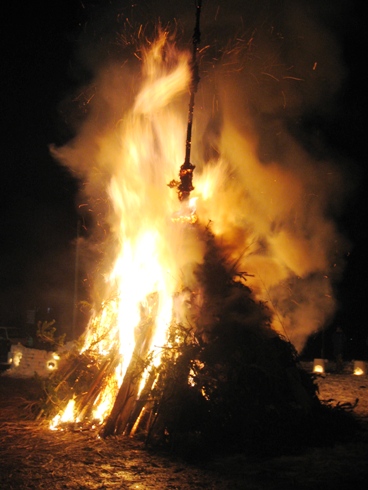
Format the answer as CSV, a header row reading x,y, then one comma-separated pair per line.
x,y
359,367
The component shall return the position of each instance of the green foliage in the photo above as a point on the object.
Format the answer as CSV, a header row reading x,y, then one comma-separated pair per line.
x,y
46,334
230,382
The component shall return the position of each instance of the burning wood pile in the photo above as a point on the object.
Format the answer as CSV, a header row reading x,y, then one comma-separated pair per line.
x,y
182,350
224,376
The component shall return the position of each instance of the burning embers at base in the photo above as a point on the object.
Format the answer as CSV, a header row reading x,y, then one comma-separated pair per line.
x,y
103,373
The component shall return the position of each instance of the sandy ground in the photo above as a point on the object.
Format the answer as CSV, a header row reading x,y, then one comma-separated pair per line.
x,y
345,388
33,457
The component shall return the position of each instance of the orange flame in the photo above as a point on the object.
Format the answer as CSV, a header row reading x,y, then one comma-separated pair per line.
x,y
146,257
271,217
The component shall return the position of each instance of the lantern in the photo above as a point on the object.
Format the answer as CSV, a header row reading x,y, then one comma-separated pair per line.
x,y
319,366
360,367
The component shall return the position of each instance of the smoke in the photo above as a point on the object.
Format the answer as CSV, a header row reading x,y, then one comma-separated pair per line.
x,y
279,208
266,71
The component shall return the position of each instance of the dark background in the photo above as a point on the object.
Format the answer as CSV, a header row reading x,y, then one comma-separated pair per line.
x,y
38,220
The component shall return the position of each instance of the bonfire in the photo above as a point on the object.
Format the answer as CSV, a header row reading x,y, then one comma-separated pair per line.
x,y
186,345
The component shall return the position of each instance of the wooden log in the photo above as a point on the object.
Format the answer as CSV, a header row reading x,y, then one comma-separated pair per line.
x,y
125,394
89,398
128,392
139,406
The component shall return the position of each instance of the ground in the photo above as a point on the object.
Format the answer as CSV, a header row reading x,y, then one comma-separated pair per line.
x,y
33,457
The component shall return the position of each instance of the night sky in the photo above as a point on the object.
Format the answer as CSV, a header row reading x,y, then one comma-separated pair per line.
x,y
41,68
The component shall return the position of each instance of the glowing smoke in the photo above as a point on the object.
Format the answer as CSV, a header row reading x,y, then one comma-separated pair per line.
x,y
272,201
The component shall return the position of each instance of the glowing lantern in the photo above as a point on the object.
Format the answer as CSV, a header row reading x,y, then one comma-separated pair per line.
x,y
17,357
319,366
52,363
360,367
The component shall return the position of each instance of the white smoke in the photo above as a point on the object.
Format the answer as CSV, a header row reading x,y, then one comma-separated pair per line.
x,y
277,193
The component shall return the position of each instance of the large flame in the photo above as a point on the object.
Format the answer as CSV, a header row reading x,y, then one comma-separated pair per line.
x,y
146,270
271,217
